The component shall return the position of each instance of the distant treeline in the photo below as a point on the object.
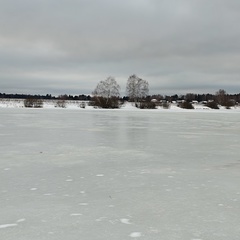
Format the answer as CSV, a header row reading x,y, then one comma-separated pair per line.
x,y
169,98
198,97
47,97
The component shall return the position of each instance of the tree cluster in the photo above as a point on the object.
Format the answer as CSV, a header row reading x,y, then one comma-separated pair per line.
x,y
81,97
107,92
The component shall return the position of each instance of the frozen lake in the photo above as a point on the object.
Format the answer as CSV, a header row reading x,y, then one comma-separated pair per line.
x,y
114,175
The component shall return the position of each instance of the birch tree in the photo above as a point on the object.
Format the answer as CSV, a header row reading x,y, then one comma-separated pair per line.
x,y
136,88
106,93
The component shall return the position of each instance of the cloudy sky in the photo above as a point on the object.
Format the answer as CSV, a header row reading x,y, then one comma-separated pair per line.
x,y
68,46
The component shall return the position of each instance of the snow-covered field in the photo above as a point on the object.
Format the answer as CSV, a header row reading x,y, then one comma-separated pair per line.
x,y
83,174
76,104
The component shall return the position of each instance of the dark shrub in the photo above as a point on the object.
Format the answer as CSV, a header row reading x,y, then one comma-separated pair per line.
x,y
229,104
61,103
212,104
166,105
82,105
147,105
33,103
186,105
103,102
137,104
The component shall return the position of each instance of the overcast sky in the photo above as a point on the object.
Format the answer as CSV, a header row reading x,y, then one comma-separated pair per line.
x,y
68,46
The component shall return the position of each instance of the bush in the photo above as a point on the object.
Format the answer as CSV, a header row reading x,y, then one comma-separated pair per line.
x,y
61,103
146,105
186,105
166,105
103,102
212,104
82,105
229,104
33,103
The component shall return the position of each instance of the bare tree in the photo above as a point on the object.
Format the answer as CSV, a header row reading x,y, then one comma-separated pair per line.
x,y
221,97
107,88
136,88
106,93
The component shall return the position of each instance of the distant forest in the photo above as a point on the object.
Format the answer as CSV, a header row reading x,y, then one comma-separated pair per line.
x,y
47,97
169,98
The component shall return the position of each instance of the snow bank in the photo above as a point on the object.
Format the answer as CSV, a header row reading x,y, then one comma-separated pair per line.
x,y
128,106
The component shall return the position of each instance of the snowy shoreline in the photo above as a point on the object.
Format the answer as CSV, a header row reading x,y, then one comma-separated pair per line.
x,y
71,104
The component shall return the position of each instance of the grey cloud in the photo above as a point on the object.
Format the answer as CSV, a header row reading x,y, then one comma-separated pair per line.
x,y
61,46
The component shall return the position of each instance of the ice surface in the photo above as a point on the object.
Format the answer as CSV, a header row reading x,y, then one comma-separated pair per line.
x,y
67,174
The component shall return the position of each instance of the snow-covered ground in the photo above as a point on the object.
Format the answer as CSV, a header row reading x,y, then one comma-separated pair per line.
x,y
70,174
76,104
